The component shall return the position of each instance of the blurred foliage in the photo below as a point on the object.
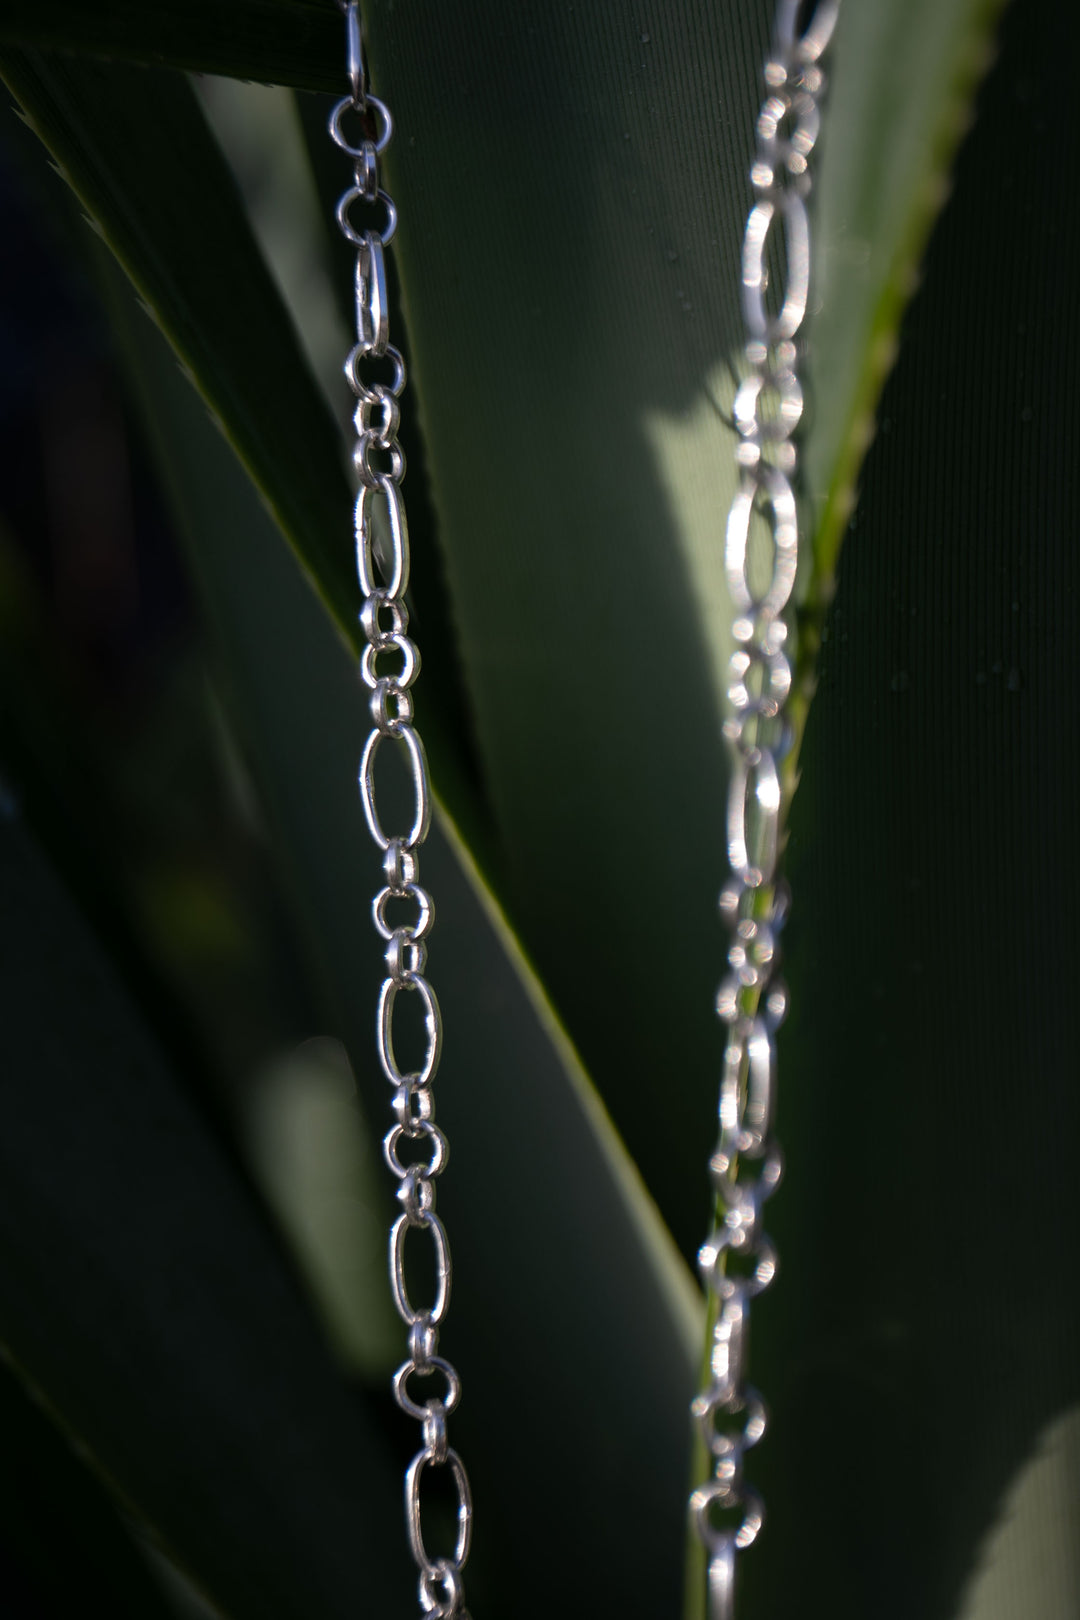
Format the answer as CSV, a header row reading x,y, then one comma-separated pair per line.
x,y
192,1225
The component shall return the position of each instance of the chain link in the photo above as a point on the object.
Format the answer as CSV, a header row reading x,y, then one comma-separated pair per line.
x,y
403,910
737,1260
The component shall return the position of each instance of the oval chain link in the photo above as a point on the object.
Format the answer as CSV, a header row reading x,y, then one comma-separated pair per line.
x,y
737,1261
361,126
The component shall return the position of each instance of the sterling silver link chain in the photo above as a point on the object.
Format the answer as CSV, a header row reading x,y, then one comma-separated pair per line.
x,y
738,1261
382,563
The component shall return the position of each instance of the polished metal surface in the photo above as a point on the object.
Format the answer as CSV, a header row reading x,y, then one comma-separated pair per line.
x,y
425,1386
737,1261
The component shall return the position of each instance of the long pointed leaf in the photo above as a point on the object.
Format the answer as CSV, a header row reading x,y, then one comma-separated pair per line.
x,y
60,1532
587,336
560,1255
275,41
135,148
143,1296
903,80
930,1278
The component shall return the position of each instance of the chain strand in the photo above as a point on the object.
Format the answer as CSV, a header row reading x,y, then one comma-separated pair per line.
x,y
376,373
737,1260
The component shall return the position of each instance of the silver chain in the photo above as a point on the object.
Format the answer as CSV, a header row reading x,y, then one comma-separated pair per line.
x,y
382,562
737,1260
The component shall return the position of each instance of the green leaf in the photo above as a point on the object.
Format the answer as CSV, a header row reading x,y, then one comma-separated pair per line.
x,y
586,328
574,349
60,1534
567,1287
294,42
180,230
1030,1562
611,469
588,335
568,350
903,77
932,951
135,148
141,1293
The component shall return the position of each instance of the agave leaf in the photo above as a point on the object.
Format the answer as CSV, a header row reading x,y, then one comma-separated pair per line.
x,y
611,483
603,497
1031,1560
903,78
564,349
61,1530
608,1200
143,1296
275,41
584,558
588,1263
182,235
135,148
585,329
932,948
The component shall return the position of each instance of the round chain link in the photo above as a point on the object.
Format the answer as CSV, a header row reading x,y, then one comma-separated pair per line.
x,y
737,1260
415,1148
